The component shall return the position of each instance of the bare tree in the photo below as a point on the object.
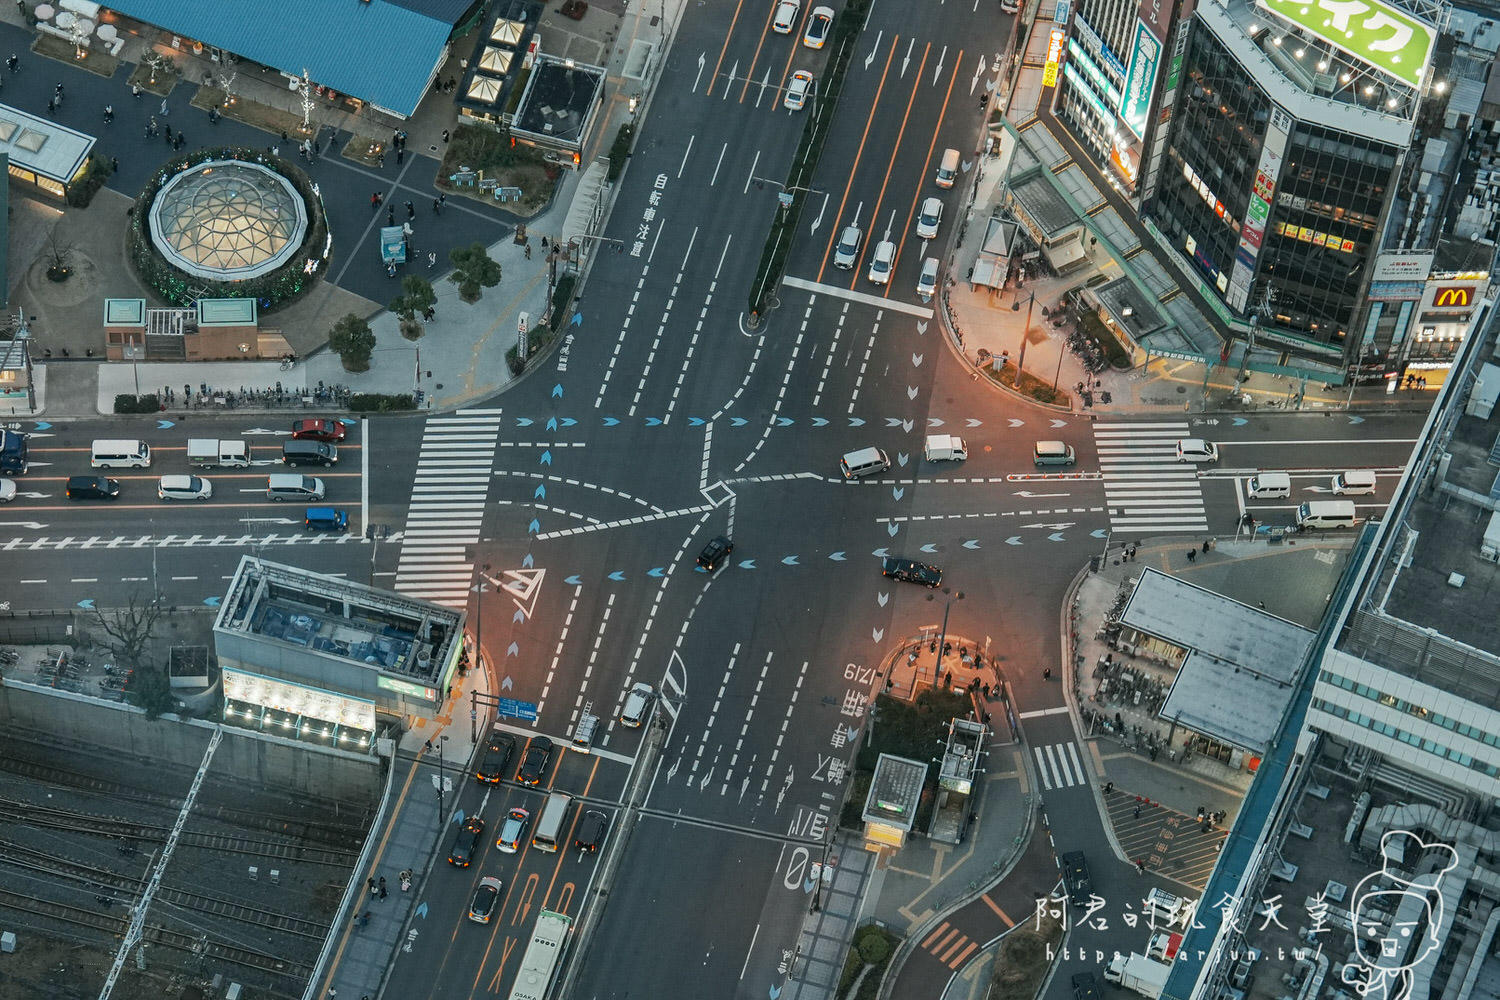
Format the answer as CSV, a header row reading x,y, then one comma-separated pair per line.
x,y
130,630
59,256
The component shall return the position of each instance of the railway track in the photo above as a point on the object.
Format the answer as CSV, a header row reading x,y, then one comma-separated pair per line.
x,y
51,818
130,887
192,944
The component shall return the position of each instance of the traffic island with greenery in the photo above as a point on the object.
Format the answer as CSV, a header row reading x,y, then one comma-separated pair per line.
x,y
907,729
1114,352
415,299
1036,388
489,153
846,28
1025,957
865,965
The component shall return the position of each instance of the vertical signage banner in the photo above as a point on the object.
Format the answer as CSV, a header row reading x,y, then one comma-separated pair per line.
x,y
1253,228
1140,80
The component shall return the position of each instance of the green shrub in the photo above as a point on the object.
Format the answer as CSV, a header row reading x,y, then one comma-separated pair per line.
x,y
353,340
619,152
129,403
562,294
382,402
873,947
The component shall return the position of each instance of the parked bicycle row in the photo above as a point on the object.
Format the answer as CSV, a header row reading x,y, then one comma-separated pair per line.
x,y
277,395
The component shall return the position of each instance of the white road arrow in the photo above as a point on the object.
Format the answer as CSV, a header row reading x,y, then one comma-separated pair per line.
x,y
870,59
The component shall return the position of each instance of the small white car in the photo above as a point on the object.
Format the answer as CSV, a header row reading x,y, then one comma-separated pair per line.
x,y
928,279
637,705
929,219
797,90
785,18
883,262
1197,450
846,252
819,23
7,490
184,488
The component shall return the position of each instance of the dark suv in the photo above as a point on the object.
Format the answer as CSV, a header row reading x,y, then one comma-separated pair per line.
x,y
1076,875
496,755
534,761
303,451
466,844
715,552
911,571
92,488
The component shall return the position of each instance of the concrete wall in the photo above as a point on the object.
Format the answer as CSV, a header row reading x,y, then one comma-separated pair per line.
x,y
58,718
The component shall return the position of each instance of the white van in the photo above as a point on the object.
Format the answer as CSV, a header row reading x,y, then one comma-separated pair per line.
x,y
583,733
1268,485
1327,514
1052,453
1163,909
286,486
549,828
865,462
947,171
1354,483
120,454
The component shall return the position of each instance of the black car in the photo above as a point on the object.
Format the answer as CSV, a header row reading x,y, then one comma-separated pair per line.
x,y
534,761
1076,876
1085,986
911,571
496,755
715,552
92,488
466,844
591,830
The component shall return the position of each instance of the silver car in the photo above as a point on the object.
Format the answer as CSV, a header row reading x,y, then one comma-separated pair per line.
x,y
882,262
847,250
929,218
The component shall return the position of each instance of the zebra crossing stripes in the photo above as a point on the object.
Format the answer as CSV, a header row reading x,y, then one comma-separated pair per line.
x,y
1058,765
1146,487
454,463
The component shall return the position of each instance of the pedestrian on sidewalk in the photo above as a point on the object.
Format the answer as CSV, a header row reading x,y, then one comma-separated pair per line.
x,y
1109,787
411,213
58,90
375,201
442,201
390,215
1046,673
1192,554
1137,813
445,135
1140,867
528,251
400,154
382,889
428,314
135,88
114,164
370,882
437,208
12,63
51,105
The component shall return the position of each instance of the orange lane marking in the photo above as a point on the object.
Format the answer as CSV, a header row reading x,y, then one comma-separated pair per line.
x,y
759,44
963,957
933,936
838,220
998,912
885,291
724,48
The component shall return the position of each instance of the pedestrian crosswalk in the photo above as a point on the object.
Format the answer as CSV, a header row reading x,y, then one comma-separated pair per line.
x,y
1058,765
454,464
1146,487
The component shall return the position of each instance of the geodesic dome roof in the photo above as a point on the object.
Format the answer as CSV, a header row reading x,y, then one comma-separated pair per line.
x,y
228,220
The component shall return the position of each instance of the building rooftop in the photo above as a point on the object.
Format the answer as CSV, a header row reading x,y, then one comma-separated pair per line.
x,y
559,96
44,147
895,790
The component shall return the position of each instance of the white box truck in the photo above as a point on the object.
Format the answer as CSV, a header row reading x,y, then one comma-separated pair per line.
x,y
945,448
211,453
1138,973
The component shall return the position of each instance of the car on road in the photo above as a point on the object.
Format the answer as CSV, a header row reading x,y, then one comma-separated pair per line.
x,y
534,761
1076,876
92,488
325,519
846,253
512,830
7,490
785,17
1085,986
715,552
496,755
927,280
797,90
819,22
184,488
1197,450
466,843
591,830
929,218
486,896
882,262
911,571
637,705
319,429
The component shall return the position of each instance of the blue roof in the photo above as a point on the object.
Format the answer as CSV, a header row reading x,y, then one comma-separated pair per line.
x,y
378,51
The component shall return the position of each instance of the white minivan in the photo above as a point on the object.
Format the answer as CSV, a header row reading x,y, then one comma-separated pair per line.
x,y
120,454
865,462
1357,482
1268,485
1327,514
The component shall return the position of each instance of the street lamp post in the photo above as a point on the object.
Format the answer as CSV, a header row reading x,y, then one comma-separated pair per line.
x,y
1058,374
937,666
441,777
479,617
1021,360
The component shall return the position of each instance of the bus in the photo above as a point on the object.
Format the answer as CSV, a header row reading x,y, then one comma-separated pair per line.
x,y
549,828
543,956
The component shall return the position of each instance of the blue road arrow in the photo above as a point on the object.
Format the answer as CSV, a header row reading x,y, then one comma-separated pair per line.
x,y
1099,533
42,425
577,319
856,422
747,564
610,421
568,421
653,421
893,421
541,491
163,425
552,423
784,421
1014,540
1056,536
891,529
737,421
572,581
1356,420
807,887
422,909
523,421
458,818
820,421
534,526
897,493
519,616
547,457
212,602
506,683
880,553
789,561
929,548
696,421
557,391
836,556
617,576
87,604
526,561
1240,421
657,571
972,543
513,649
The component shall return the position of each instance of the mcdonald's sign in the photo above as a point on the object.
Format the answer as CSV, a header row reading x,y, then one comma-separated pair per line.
x,y
1452,297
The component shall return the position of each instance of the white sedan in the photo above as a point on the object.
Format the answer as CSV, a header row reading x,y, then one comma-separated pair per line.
x,y
184,488
797,90
882,262
785,18
818,25
7,490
